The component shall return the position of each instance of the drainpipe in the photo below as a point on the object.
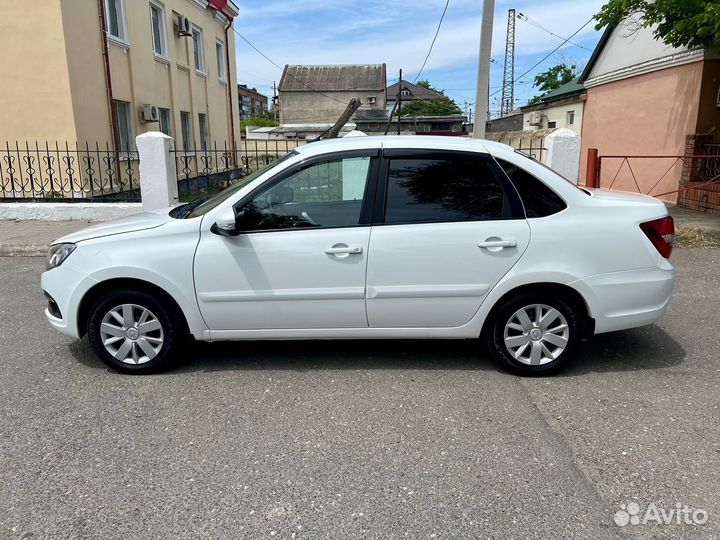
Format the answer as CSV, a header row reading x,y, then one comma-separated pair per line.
x,y
230,88
108,82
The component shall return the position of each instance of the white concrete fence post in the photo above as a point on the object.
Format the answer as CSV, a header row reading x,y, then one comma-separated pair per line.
x,y
563,153
158,173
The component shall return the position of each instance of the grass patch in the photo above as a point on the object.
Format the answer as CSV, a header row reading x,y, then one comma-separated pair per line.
x,y
690,237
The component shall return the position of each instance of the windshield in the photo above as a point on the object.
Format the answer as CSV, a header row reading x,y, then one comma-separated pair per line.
x,y
203,206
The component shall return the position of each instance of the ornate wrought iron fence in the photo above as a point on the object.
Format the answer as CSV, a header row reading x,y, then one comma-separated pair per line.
x,y
64,172
221,165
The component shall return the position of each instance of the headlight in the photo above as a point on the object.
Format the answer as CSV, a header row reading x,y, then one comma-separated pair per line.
x,y
58,253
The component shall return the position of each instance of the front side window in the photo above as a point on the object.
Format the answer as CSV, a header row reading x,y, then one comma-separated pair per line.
x,y
124,126
115,19
325,194
538,199
439,190
187,131
204,132
198,49
220,57
159,30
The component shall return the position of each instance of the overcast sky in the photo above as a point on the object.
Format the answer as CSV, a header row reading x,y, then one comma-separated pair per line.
x,y
399,32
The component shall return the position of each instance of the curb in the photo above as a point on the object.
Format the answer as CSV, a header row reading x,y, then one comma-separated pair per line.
x,y
24,250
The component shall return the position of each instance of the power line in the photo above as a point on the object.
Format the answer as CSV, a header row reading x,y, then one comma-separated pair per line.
x,y
285,72
576,32
527,19
447,3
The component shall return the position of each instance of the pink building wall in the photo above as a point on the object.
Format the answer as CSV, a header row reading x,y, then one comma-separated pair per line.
x,y
648,114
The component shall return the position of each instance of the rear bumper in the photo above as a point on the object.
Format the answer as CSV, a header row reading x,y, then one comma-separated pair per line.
x,y
622,300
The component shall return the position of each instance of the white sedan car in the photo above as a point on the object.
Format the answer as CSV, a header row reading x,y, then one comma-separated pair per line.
x,y
371,237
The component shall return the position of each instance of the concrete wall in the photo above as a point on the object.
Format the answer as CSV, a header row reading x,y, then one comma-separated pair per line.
x,y
559,114
313,107
54,83
649,114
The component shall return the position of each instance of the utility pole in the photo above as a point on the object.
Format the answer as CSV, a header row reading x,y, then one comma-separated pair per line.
x,y
399,101
275,101
483,80
352,106
507,103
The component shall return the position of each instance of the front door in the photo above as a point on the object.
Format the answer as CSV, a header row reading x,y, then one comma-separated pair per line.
x,y
451,228
301,260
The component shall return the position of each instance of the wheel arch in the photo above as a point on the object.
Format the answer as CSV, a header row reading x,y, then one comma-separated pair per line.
x,y
563,291
119,284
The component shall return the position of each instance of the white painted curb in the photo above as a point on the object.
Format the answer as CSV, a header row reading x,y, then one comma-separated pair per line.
x,y
67,211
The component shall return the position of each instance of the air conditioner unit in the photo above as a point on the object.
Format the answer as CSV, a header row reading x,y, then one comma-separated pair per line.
x,y
535,118
182,26
150,113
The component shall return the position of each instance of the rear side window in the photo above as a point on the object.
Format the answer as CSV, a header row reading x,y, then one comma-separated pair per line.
x,y
538,199
437,190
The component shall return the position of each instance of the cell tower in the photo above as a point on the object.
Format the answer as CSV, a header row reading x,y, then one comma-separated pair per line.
x,y
507,104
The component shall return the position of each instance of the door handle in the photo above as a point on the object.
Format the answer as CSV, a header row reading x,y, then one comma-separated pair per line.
x,y
497,244
349,250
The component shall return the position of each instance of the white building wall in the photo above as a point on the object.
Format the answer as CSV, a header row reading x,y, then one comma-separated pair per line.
x,y
559,115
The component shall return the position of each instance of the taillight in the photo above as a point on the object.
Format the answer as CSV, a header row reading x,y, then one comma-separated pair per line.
x,y
661,233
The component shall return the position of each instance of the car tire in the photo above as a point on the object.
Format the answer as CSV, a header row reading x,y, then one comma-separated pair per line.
x,y
534,334
136,332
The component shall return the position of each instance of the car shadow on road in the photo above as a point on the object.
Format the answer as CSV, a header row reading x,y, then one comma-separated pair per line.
x,y
645,348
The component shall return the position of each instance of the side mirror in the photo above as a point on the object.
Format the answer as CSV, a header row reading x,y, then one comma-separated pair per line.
x,y
226,223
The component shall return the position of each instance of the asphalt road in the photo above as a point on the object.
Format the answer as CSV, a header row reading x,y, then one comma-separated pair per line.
x,y
360,439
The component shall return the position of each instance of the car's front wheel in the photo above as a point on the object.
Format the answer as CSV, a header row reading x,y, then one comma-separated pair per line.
x,y
133,331
534,334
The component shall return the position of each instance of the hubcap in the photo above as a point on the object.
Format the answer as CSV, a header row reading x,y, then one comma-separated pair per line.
x,y
536,334
131,333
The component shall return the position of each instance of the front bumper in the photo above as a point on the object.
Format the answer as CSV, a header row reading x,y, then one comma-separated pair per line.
x,y
622,300
66,286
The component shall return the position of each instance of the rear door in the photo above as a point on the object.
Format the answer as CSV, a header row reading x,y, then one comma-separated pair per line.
x,y
447,227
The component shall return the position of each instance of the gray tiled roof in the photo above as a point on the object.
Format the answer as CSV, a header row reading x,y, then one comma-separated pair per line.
x,y
333,78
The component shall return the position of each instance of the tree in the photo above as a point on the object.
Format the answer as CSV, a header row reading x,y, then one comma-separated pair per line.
x,y
439,106
678,23
553,78
265,119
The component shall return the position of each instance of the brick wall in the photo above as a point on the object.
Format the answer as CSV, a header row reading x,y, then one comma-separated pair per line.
x,y
694,173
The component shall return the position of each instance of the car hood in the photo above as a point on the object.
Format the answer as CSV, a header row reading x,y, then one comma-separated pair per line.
x,y
136,222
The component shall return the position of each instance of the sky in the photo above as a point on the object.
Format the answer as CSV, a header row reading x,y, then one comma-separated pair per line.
x,y
399,33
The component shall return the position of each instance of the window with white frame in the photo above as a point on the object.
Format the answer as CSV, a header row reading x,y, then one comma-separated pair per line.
x,y
165,121
204,132
123,114
115,19
570,118
220,57
159,29
198,49
187,130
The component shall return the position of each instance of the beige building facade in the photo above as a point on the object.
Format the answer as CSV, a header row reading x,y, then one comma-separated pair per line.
x,y
105,71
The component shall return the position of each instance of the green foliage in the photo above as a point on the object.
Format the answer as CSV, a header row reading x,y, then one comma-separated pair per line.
x,y
551,79
437,107
266,119
689,23
426,84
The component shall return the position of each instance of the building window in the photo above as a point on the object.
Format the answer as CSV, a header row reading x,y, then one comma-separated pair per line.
x,y
165,122
204,133
372,126
439,126
187,130
372,100
159,29
198,49
552,125
124,127
220,57
115,19
404,92
571,118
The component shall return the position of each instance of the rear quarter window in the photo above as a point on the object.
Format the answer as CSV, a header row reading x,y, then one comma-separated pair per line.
x,y
538,199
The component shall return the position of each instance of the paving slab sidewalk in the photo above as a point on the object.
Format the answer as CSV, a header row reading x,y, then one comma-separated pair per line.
x,y
33,238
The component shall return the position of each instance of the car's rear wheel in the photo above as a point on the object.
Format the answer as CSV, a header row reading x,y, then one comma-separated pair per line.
x,y
134,331
534,334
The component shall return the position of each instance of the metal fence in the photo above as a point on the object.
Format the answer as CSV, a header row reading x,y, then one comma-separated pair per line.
x,y
67,172
219,165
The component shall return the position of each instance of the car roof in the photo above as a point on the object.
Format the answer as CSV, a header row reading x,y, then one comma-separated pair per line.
x,y
420,142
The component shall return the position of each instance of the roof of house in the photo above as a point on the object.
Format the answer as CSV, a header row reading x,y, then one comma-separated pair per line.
x,y
416,91
333,78
569,89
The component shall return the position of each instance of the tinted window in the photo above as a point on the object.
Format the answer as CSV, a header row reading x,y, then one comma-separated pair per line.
x,y
538,199
427,190
325,194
